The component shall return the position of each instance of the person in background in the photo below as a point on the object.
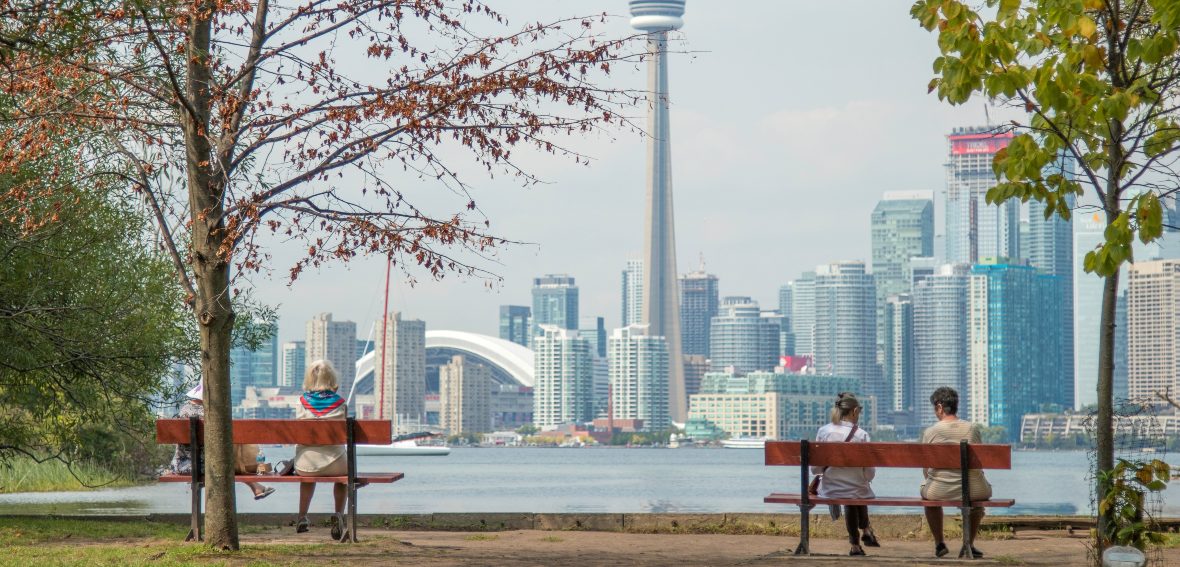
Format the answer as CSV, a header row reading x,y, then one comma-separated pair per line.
x,y
244,455
947,484
320,401
845,482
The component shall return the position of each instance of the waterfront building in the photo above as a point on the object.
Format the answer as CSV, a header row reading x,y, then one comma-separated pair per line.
x,y
902,228
975,229
768,405
514,323
400,389
254,368
699,303
334,341
639,377
555,302
512,406
465,397
563,391
593,329
803,313
1042,427
294,364
661,310
695,367
1153,329
633,293
898,342
940,337
742,339
846,326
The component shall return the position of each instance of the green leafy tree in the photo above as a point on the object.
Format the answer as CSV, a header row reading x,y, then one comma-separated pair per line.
x,y
1098,80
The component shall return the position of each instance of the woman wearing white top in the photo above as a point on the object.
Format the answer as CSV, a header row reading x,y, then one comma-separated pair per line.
x,y
848,482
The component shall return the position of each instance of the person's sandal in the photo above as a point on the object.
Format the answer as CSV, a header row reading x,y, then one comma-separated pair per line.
x,y
269,490
856,551
940,550
302,526
870,540
977,554
337,526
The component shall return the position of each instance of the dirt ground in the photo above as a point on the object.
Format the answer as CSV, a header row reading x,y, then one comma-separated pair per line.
x,y
577,548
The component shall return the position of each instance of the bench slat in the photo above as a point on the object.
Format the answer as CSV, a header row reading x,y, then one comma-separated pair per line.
x,y
901,455
283,431
784,498
269,479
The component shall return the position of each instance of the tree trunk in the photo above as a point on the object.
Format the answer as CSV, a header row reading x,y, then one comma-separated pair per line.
x,y
210,267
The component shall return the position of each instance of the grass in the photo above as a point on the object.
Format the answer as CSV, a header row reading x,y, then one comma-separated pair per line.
x,y
481,537
552,539
26,475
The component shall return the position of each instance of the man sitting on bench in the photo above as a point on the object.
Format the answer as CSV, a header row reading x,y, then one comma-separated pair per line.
x,y
947,484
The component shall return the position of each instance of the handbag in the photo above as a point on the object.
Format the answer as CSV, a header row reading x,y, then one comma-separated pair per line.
x,y
813,488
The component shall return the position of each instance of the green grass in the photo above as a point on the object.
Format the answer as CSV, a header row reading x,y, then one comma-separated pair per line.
x,y
481,537
33,531
552,539
25,475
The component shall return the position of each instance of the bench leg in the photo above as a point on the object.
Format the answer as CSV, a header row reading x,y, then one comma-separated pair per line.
x,y
966,551
351,535
194,531
804,547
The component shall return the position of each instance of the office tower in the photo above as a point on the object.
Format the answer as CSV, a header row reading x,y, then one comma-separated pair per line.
x,y
564,376
975,229
785,339
699,302
940,337
399,382
639,377
846,326
1153,329
294,355
1014,337
902,229
555,302
633,293
898,340
803,314
334,341
593,329
786,300
254,368
1049,248
920,268
742,339
661,311
514,324
695,367
465,397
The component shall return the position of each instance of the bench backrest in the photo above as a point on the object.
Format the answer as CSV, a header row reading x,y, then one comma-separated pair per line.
x,y
900,455
283,431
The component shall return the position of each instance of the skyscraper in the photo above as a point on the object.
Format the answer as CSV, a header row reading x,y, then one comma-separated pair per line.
x,y
257,367
846,327
334,341
564,378
802,319
741,338
294,355
639,377
1049,248
514,324
698,305
633,293
898,340
399,383
661,311
555,302
465,397
1153,329
593,329
975,229
940,336
902,229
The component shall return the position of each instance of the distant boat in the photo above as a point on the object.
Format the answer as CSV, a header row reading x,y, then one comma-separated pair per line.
x,y
744,443
404,448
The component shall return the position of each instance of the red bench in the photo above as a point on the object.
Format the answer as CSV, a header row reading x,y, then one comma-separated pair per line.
x,y
963,456
346,432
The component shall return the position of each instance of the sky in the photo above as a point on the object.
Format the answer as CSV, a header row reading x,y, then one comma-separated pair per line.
x,y
789,120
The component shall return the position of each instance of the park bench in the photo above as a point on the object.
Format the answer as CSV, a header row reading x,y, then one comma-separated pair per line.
x,y
347,432
805,454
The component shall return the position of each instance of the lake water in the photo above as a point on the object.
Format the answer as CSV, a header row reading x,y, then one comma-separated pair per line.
x,y
593,480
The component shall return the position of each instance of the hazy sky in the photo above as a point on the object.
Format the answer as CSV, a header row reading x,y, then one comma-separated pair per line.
x,y
789,120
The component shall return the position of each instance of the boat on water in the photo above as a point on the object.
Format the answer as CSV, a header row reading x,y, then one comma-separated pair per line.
x,y
404,448
744,443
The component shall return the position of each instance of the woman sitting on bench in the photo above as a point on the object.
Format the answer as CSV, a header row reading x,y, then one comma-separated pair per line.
x,y
320,401
845,482
947,484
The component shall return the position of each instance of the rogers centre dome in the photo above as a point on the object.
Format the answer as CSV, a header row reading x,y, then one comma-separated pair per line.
x,y
510,363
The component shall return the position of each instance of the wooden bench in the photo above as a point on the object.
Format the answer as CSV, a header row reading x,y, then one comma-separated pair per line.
x,y
346,432
805,454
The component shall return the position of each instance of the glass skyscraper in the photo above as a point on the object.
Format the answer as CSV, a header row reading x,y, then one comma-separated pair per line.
x,y
639,377
258,368
698,305
633,293
846,327
1049,248
742,338
514,324
940,336
902,229
802,318
898,342
555,302
294,364
975,229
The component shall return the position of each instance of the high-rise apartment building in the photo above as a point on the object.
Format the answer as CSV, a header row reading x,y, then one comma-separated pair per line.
x,y
514,324
920,268
633,293
940,336
898,342
334,341
902,229
695,367
1014,337
786,306
258,368
294,356
465,397
555,302
802,318
399,382
846,327
742,339
639,377
564,378
1048,247
975,229
1153,328
593,329
699,302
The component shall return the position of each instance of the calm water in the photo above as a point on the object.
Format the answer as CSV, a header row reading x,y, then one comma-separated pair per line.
x,y
611,480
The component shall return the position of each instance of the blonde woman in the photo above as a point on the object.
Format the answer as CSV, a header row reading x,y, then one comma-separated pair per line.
x,y
320,401
846,482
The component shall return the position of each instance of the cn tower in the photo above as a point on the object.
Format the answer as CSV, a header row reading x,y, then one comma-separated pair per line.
x,y
661,298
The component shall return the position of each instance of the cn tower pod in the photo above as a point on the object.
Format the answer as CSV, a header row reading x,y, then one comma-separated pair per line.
x,y
657,15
